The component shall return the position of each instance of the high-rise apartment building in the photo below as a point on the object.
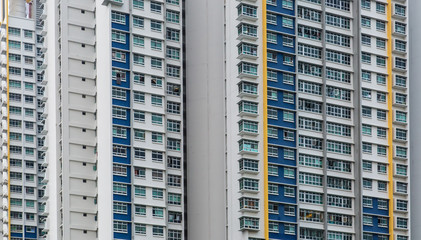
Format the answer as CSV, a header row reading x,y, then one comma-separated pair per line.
x,y
115,120
308,100
114,151
271,119
23,118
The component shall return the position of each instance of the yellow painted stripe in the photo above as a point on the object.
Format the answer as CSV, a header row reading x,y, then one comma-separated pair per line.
x,y
265,120
390,113
6,10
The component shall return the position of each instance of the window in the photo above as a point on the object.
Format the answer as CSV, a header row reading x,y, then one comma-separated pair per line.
x,y
289,191
156,25
338,165
249,165
311,197
339,219
401,170
338,111
399,10
156,119
401,223
272,37
120,227
174,199
158,231
400,63
138,22
310,87
367,220
118,36
310,124
173,126
310,179
310,106
380,25
174,180
173,107
380,7
156,7
339,183
367,202
366,4
156,44
173,144
401,187
381,43
309,69
117,17
119,188
157,137
366,57
400,98
287,116
120,132
140,210
337,21
173,71
139,4
271,18
173,53
338,39
138,97
309,14
382,186
156,100
273,189
400,28
366,22
310,161
157,193
156,63
138,41
400,45
139,116
287,22
312,33
174,234
140,228
139,153
309,51
138,59
249,223
338,75
173,34
401,205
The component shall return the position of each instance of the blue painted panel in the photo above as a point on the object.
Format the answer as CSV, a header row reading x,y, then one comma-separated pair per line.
x,y
125,160
375,227
124,27
127,235
123,84
31,235
123,141
280,121
124,65
279,28
124,46
281,198
124,217
282,235
281,179
281,142
280,64
125,179
123,198
123,103
375,209
281,85
13,234
279,9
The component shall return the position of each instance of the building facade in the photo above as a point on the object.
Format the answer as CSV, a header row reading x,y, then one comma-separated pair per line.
x,y
23,119
315,119
296,114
